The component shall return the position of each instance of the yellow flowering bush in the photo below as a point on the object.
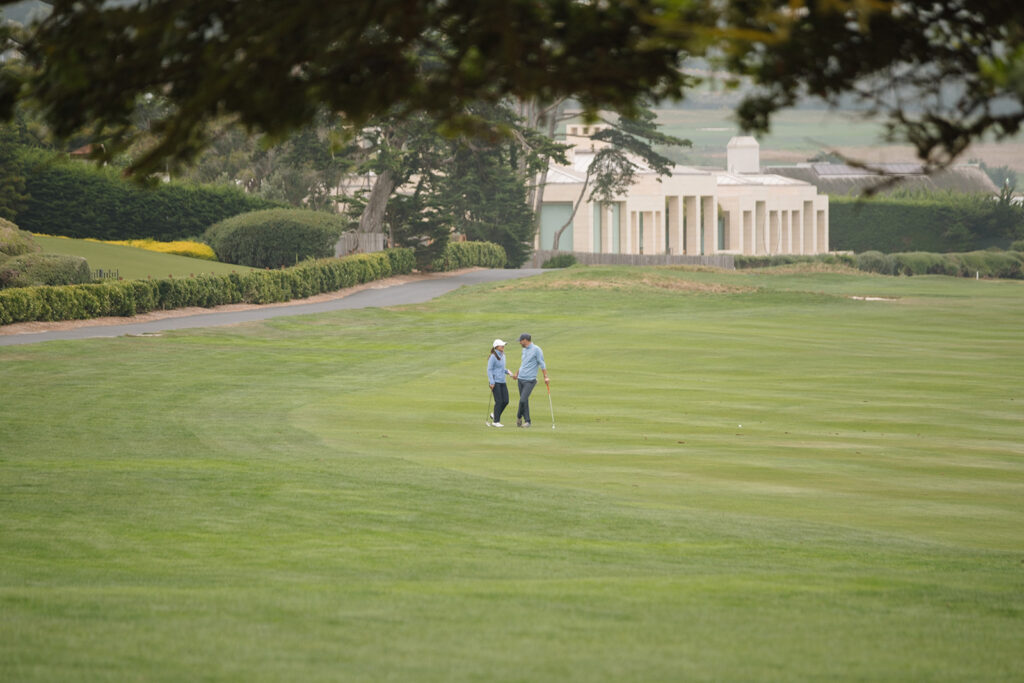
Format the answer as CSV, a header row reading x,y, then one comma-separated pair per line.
x,y
181,247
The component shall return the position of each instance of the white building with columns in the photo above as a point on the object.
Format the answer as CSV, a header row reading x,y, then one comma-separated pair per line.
x,y
694,211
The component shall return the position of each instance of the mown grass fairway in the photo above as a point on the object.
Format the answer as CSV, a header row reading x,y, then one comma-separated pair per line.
x,y
132,263
319,499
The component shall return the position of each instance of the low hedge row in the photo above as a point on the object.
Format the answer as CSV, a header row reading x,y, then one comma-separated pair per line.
x,y
458,255
559,261
130,297
990,264
768,261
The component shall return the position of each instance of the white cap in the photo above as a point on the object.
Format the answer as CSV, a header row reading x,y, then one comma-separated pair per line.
x,y
497,342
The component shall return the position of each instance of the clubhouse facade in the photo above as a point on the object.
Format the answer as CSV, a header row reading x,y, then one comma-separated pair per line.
x,y
694,211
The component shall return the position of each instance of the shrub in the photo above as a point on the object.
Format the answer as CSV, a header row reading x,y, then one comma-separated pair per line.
x,y
259,287
76,199
559,261
458,255
924,263
15,242
991,264
876,262
1017,245
275,237
741,261
402,260
34,269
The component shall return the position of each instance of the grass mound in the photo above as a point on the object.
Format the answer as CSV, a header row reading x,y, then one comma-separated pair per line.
x,y
132,263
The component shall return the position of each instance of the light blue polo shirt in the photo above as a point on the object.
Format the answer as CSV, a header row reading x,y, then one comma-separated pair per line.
x,y
533,360
496,368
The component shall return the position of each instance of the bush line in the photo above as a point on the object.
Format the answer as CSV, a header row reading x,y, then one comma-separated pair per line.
x,y
131,297
75,199
458,255
988,264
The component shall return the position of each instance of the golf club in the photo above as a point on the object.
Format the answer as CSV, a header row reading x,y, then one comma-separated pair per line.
x,y
489,397
550,405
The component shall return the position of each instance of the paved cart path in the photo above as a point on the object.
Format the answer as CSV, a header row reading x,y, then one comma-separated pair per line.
x,y
397,295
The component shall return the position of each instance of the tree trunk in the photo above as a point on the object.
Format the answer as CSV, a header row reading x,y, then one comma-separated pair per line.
x,y
372,219
572,216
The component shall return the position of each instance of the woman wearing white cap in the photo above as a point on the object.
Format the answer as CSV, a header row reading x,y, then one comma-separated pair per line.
x,y
496,372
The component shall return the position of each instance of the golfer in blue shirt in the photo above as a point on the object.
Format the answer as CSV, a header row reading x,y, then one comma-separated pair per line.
x,y
496,372
533,359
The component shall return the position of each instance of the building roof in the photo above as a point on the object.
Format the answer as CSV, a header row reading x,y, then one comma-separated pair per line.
x,y
742,141
576,172
843,179
727,178
563,175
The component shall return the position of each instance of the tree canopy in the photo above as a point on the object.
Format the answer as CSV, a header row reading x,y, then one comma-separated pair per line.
x,y
275,64
942,74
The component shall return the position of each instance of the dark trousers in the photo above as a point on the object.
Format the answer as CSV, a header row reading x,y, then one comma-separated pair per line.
x,y
500,392
525,389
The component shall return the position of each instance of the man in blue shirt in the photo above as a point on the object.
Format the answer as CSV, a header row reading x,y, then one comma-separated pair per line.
x,y
533,359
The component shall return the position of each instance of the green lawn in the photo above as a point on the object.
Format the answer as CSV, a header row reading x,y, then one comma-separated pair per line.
x,y
318,498
133,263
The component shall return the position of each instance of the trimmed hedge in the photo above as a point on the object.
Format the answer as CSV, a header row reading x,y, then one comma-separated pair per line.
x,y
458,255
941,223
559,261
876,262
988,264
131,297
767,261
29,270
274,238
75,199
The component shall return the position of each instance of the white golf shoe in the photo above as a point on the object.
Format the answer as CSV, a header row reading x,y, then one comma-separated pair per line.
x,y
497,424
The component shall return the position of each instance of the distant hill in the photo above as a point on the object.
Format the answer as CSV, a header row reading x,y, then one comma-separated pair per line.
x,y
24,12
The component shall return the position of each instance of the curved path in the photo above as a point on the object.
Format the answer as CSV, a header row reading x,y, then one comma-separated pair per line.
x,y
397,295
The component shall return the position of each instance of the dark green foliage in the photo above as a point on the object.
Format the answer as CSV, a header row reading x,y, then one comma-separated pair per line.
x,y
415,221
13,196
458,255
75,199
274,238
257,287
33,269
14,242
487,201
1017,245
935,223
402,260
273,67
559,261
